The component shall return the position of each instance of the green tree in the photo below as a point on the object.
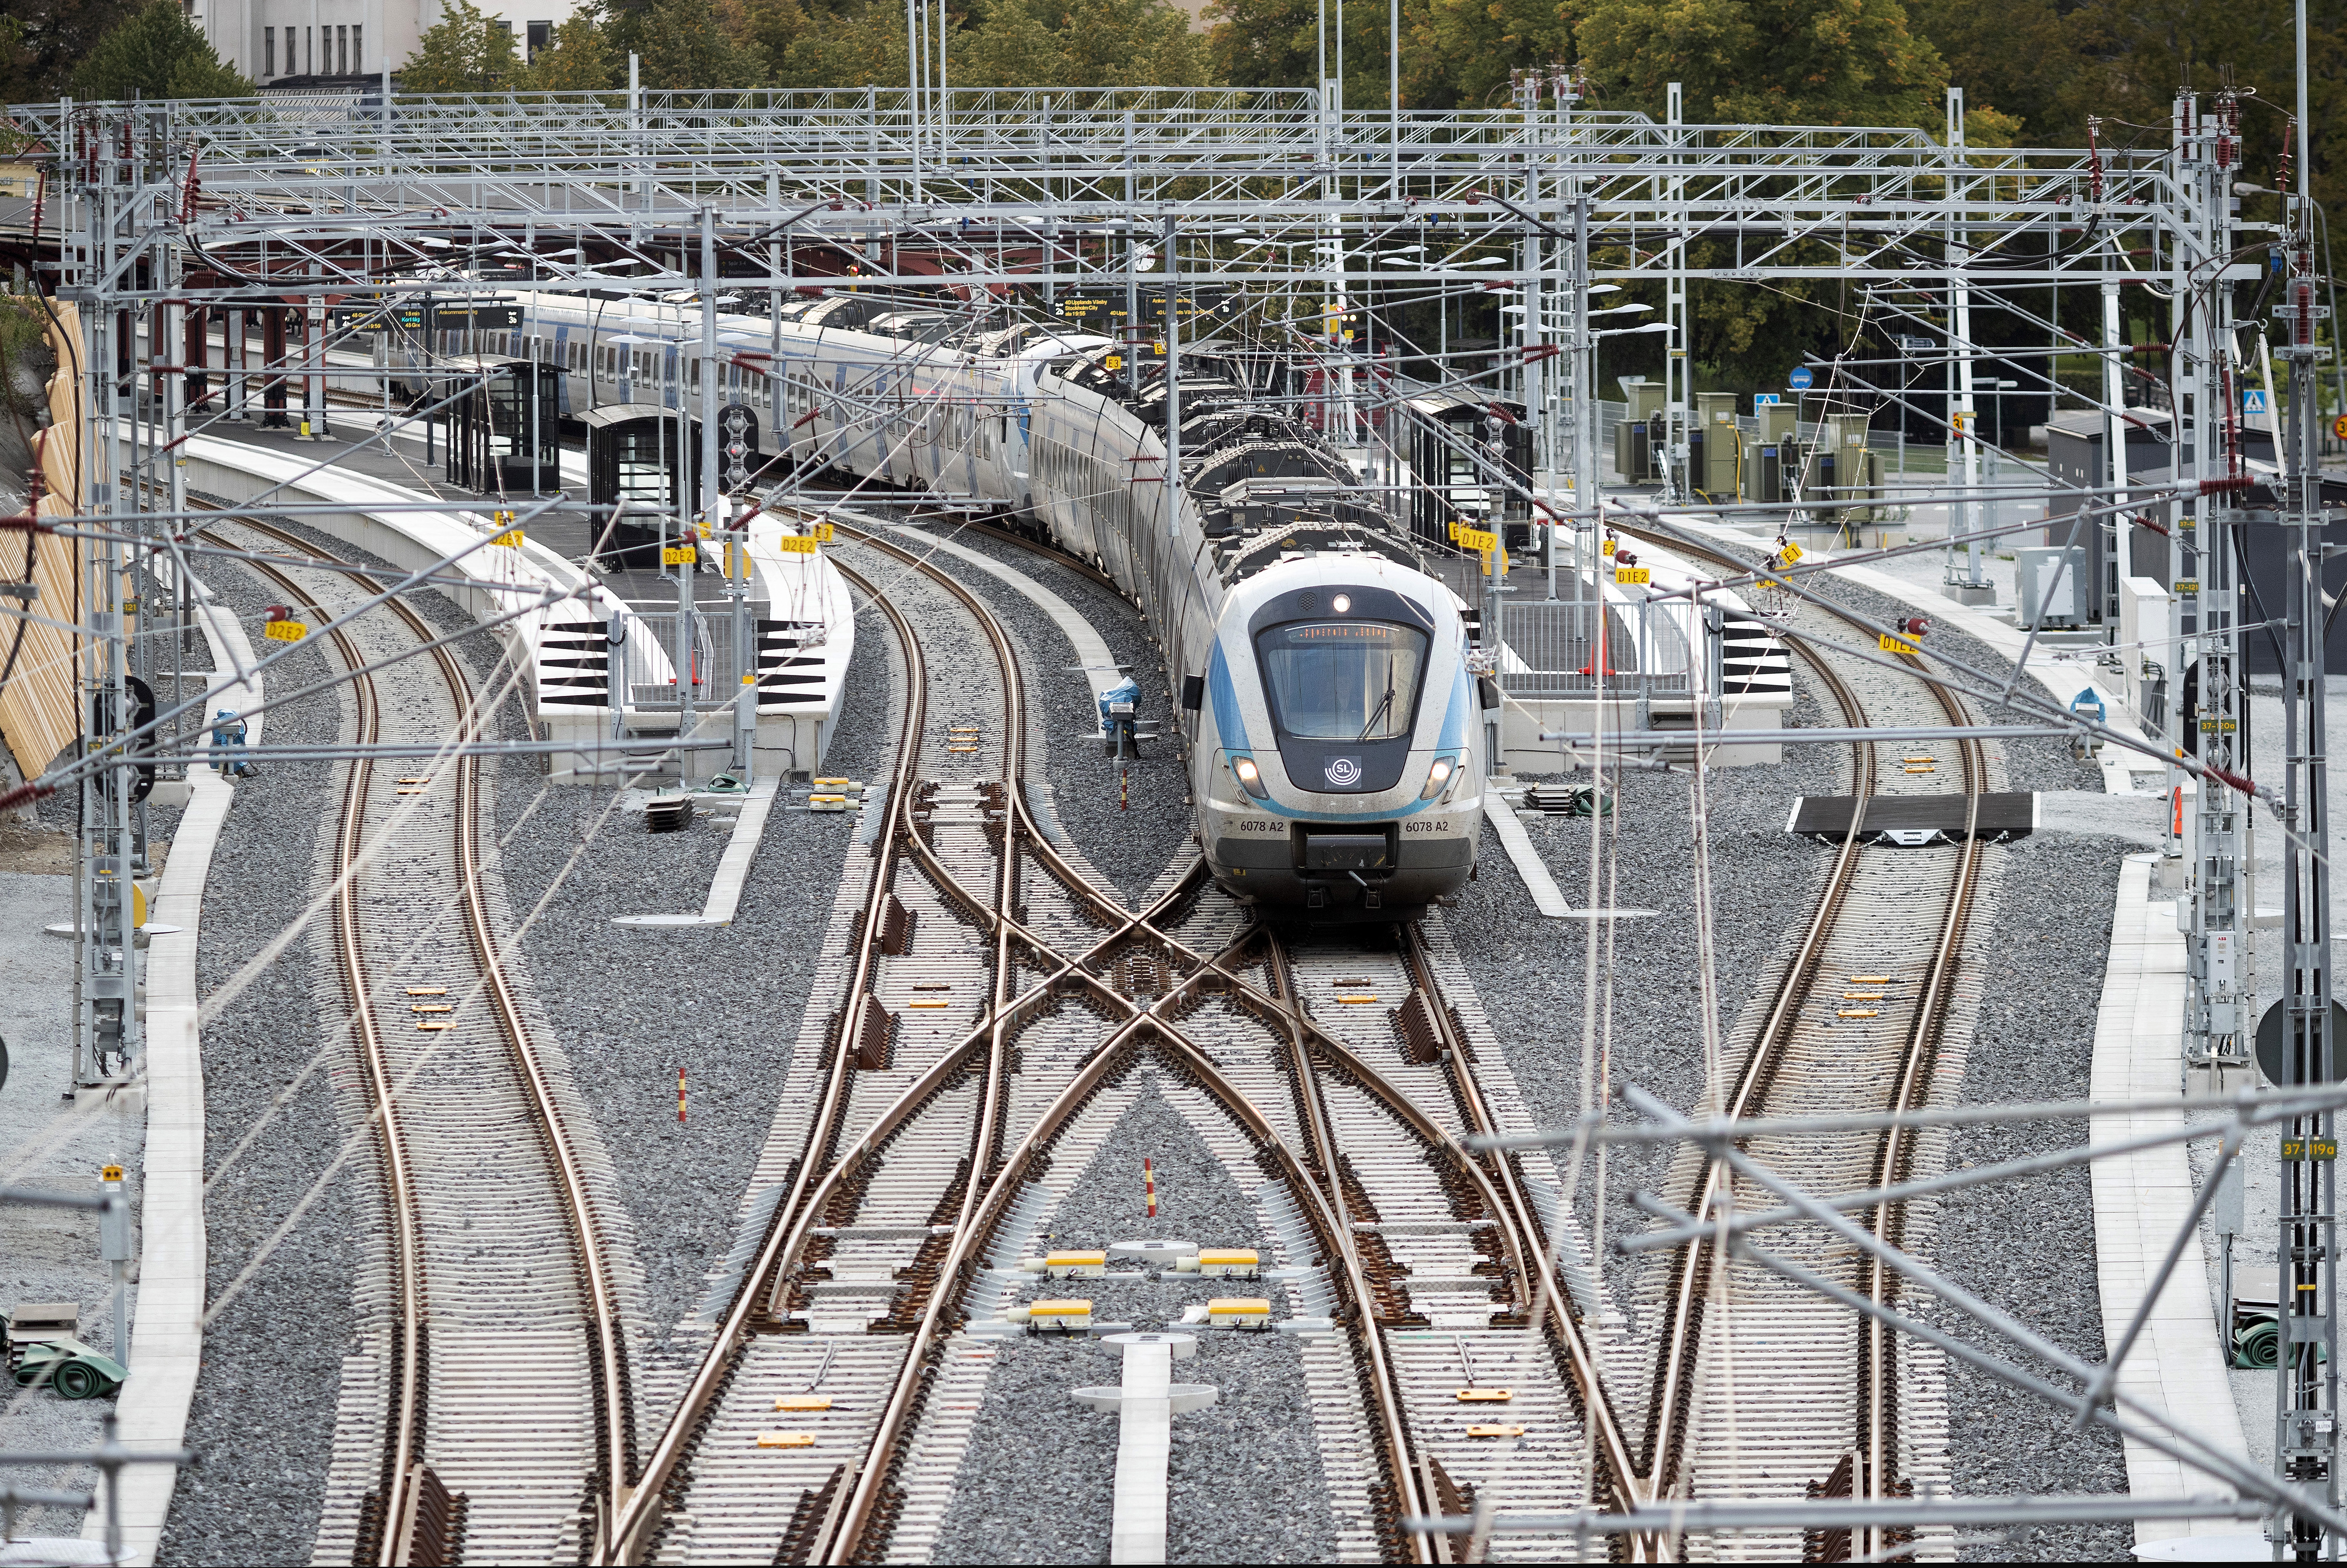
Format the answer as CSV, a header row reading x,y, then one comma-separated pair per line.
x,y
1454,52
41,42
2021,57
464,52
574,60
685,43
817,46
2136,54
157,53
1767,62
1081,44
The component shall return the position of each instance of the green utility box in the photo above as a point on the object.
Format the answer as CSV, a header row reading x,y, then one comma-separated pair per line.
x,y
1843,470
1778,421
1723,443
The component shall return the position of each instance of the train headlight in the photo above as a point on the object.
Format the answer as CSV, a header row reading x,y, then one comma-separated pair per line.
x,y
1250,777
1437,776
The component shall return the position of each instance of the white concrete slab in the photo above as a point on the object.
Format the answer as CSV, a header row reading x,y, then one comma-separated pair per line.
x,y
1547,898
732,868
1146,1402
2141,1202
166,1333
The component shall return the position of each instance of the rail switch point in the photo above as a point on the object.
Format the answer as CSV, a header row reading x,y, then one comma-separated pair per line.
x,y
1163,1252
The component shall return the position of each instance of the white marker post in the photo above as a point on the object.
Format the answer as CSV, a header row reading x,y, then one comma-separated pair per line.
x,y
1147,1401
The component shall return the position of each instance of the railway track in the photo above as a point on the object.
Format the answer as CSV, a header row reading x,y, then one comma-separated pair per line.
x,y
500,1391
919,1176
927,1200
1792,1395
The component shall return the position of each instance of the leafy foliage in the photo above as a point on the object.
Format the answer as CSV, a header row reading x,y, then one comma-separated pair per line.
x,y
1777,62
686,44
41,42
156,52
576,60
464,52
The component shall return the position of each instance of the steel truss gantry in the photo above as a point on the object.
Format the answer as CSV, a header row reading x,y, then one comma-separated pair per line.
x,y
154,210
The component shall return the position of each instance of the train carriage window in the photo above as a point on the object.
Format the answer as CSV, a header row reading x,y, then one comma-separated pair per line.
x,y
1342,680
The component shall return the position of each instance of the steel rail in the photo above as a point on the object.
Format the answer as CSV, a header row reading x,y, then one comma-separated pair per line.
x,y
852,1510
606,1344
767,1282
403,1442
1877,1400
984,1204
1509,1210
1675,1364
632,1530
1518,1216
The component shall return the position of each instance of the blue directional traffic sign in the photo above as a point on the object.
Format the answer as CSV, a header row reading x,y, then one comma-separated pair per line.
x,y
1801,378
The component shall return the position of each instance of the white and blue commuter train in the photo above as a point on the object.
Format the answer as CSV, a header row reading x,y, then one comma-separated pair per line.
x,y
1336,732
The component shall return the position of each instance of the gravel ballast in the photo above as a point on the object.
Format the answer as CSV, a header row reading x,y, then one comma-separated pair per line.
x,y
632,1004
1129,840
262,1420
1245,1482
2028,1247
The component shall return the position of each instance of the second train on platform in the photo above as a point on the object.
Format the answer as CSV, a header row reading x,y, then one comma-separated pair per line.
x,y
1322,675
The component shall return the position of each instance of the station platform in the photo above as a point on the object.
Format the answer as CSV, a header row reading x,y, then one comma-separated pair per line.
x,y
555,614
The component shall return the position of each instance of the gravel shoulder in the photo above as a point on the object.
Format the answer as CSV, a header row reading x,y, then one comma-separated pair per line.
x,y
263,1415
1129,838
632,1005
2028,1247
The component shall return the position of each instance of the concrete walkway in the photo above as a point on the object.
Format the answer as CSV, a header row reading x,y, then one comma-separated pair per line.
x,y
1547,898
2141,1201
732,868
167,1332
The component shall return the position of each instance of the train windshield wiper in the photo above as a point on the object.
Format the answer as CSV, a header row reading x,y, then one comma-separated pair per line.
x,y
1383,707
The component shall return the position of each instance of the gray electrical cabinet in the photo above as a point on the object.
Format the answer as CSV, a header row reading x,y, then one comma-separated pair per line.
x,y
2045,600
1633,458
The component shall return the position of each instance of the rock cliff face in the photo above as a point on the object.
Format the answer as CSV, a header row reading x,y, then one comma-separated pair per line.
x,y
26,362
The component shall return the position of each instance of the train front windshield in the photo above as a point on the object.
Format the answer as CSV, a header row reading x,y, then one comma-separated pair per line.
x,y
1342,680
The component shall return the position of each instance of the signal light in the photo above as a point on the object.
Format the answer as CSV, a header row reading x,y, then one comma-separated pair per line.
x,y
1913,626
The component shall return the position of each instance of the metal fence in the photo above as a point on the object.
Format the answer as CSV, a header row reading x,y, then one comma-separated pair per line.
x,y
1548,647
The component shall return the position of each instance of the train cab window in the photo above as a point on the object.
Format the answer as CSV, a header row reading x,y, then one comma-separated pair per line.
x,y
1342,680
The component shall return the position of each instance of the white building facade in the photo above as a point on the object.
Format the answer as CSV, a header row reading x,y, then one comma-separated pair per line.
x,y
271,40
